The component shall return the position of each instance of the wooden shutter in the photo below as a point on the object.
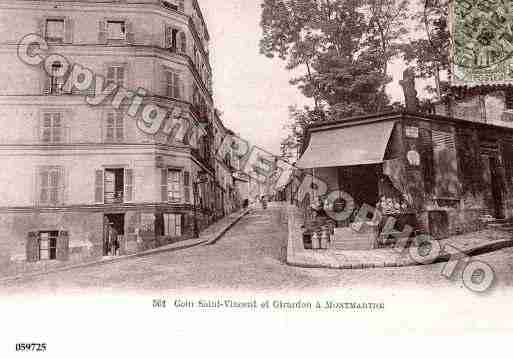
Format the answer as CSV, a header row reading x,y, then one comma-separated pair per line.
x,y
168,37
164,81
68,31
102,32
98,186
178,40
110,127
427,159
120,75
130,37
44,184
187,186
41,27
32,247
176,86
129,185
119,127
163,185
62,185
62,246
183,42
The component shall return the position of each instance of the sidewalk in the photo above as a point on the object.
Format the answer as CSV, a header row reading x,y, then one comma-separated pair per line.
x,y
207,237
455,247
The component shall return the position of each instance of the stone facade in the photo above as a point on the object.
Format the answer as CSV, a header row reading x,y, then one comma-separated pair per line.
x,y
69,167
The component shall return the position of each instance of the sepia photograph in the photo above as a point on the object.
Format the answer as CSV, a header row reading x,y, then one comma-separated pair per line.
x,y
181,176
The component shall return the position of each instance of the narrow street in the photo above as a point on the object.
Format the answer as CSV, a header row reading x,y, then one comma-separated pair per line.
x,y
247,258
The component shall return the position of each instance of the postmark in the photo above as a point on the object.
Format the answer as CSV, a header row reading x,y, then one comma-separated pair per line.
x,y
482,39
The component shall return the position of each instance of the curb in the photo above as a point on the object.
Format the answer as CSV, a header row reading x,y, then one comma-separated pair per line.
x,y
226,229
445,257
217,236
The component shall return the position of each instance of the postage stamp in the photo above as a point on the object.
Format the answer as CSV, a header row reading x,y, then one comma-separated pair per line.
x,y
482,32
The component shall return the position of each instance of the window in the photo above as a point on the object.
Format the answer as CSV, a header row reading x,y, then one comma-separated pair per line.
x,y
48,245
172,84
51,185
171,38
173,186
114,185
116,74
52,128
55,81
172,224
116,30
509,100
54,30
114,130
445,164
176,5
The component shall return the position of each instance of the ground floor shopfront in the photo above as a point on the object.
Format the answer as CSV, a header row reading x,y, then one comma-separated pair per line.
x,y
437,175
48,238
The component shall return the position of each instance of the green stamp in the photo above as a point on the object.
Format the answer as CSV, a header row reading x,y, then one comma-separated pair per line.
x,y
482,33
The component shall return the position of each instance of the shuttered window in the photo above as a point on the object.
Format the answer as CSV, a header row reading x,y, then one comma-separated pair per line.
x,y
47,245
116,30
171,38
51,185
446,165
116,74
174,186
172,224
114,185
52,128
54,30
114,127
172,84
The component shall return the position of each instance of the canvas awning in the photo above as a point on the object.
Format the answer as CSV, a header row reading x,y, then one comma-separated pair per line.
x,y
347,146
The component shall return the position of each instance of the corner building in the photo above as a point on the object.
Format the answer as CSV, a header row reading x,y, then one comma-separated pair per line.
x,y
70,167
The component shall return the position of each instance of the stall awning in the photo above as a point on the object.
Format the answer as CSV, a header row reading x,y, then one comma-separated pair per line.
x,y
347,146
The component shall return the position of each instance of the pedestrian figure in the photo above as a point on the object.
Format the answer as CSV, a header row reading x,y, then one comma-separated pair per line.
x,y
113,239
264,202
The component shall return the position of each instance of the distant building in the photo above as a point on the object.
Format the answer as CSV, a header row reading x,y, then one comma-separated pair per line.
x,y
71,169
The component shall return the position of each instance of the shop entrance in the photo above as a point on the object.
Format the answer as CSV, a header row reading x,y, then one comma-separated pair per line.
x,y
113,233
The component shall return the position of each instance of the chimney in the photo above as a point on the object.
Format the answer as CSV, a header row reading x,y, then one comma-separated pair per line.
x,y
410,94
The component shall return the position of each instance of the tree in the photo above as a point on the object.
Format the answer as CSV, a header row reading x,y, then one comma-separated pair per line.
x,y
344,47
430,52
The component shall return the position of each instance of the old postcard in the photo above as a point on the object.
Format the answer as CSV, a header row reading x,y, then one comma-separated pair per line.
x,y
187,177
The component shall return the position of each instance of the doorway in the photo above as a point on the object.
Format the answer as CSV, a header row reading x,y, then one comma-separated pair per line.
x,y
496,187
113,224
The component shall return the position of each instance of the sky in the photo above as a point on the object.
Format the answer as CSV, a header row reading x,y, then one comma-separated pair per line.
x,y
252,91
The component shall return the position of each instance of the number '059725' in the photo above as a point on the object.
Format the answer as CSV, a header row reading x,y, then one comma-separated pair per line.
x,y
30,347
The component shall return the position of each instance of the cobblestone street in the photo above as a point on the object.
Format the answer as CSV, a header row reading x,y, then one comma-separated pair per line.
x,y
249,257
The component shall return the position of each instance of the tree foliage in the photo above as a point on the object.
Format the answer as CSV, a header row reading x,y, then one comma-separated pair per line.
x,y
429,53
344,48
